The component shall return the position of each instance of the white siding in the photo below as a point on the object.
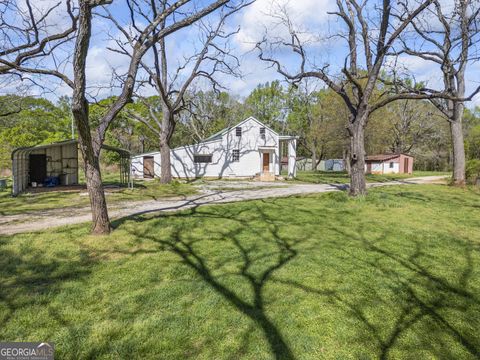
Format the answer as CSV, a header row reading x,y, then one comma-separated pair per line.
x,y
388,170
384,168
376,167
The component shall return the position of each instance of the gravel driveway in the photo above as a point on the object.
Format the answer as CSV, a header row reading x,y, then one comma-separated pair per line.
x,y
210,193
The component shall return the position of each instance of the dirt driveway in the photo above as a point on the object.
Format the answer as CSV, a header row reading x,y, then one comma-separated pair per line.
x,y
210,193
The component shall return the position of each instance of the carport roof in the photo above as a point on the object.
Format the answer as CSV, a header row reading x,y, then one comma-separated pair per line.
x,y
28,149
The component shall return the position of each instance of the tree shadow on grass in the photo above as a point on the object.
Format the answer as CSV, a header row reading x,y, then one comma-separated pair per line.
x,y
31,278
281,252
426,301
422,301
433,299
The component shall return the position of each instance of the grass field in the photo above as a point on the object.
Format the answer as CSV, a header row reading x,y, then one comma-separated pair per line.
x,y
393,275
340,177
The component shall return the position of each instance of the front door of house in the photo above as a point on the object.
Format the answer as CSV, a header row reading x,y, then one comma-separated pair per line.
x,y
266,162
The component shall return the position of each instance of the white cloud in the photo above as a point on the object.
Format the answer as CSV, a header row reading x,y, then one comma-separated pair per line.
x,y
308,17
258,17
102,65
57,19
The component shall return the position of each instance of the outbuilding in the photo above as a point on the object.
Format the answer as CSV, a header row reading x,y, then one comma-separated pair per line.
x,y
54,165
389,164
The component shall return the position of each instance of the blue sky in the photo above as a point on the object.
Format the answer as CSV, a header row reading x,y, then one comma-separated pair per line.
x,y
309,16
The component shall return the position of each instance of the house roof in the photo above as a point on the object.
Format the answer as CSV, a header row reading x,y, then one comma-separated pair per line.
x,y
220,133
382,157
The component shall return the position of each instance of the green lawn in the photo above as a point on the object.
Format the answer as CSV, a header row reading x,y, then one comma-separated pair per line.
x,y
393,275
340,177
143,190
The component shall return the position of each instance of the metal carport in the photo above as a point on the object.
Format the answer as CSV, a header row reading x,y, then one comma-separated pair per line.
x,y
61,160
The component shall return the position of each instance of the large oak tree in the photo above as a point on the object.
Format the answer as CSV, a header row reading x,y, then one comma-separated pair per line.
x,y
92,138
448,37
371,28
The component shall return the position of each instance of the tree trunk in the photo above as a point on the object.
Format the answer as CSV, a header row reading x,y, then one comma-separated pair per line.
x,y
165,161
314,159
91,154
90,150
357,156
456,130
98,203
165,137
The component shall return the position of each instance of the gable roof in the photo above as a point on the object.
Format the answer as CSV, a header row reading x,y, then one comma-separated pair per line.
x,y
219,134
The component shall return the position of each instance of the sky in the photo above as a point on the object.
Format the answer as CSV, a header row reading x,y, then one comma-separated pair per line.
x,y
255,22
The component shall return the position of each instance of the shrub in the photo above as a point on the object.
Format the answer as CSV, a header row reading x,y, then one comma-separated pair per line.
x,y
472,171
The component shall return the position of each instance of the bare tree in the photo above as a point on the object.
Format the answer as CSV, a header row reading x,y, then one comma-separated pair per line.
x,y
449,38
173,82
27,35
209,112
372,28
91,139
318,118
410,124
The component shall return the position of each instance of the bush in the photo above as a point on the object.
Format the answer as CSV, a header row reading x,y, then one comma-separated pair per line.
x,y
472,171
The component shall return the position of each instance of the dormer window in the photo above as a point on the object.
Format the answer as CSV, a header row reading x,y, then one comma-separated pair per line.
x,y
238,131
262,133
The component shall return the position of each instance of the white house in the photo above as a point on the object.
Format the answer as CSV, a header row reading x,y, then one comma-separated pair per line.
x,y
248,149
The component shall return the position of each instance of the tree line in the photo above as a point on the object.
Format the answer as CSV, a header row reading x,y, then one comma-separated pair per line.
x,y
367,88
318,117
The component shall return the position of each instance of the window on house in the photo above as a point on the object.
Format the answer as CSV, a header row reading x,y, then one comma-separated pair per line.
x,y
391,165
238,131
262,133
236,155
202,158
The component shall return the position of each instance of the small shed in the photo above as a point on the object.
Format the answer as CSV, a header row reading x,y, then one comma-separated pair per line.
x,y
55,163
389,164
